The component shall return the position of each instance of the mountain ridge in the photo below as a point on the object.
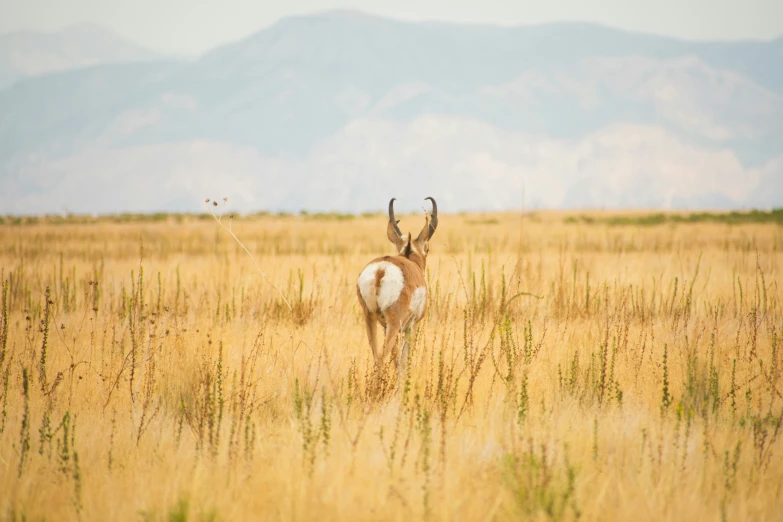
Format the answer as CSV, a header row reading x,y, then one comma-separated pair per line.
x,y
29,53
285,103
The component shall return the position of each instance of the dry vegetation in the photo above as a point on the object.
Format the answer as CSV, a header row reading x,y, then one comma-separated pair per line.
x,y
564,370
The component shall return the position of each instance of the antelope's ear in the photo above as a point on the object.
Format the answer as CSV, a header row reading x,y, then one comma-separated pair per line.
x,y
392,230
393,235
430,224
424,235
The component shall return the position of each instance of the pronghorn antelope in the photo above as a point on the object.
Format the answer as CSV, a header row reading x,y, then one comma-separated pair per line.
x,y
392,289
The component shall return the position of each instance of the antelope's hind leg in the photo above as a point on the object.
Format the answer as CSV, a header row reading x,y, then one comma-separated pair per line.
x,y
390,342
402,362
370,322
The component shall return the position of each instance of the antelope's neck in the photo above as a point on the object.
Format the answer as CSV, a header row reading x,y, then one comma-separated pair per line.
x,y
417,259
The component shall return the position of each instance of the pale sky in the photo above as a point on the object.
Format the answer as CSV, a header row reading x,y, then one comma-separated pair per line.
x,y
194,26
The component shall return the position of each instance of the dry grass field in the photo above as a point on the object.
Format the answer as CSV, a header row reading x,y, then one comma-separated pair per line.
x,y
567,368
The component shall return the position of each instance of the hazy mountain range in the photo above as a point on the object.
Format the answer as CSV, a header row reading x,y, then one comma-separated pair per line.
x,y
341,111
27,53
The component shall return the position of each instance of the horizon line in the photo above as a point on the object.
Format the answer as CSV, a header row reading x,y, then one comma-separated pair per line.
x,y
371,15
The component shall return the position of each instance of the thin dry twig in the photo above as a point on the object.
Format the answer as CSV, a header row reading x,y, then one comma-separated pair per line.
x,y
228,228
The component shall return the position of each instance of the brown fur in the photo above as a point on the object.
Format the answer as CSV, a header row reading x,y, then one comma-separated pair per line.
x,y
411,259
398,318
377,287
370,318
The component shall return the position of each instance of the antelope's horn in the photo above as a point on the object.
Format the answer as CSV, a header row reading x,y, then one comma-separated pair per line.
x,y
433,216
392,220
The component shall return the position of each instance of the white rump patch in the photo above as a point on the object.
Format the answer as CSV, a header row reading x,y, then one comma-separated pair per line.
x,y
418,299
390,286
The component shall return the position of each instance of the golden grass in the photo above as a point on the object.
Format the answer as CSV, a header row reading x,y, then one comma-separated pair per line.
x,y
563,371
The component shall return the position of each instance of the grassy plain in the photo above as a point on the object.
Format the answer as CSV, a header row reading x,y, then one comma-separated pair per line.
x,y
566,368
